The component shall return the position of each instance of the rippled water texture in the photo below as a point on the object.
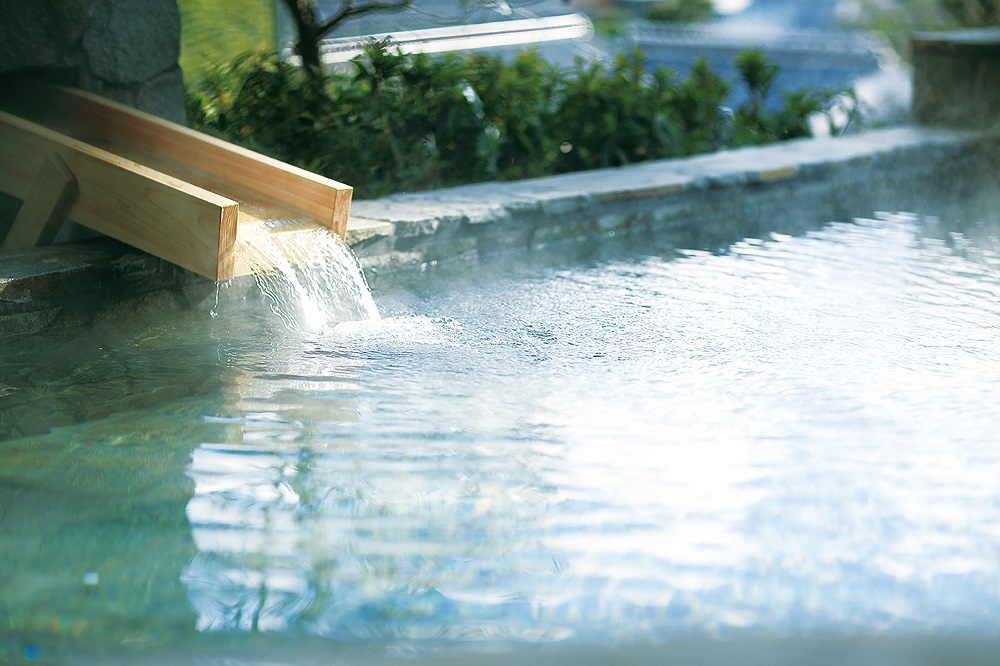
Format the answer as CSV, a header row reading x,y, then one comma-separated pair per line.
x,y
791,436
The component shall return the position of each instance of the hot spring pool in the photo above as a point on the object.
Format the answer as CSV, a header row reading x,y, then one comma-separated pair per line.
x,y
629,445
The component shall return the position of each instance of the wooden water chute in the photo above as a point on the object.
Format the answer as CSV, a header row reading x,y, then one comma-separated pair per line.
x,y
165,189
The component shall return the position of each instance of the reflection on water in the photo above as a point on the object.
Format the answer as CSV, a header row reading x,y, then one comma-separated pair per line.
x,y
793,436
340,514
790,436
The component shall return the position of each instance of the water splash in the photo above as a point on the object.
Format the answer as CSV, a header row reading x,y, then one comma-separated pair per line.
x,y
310,277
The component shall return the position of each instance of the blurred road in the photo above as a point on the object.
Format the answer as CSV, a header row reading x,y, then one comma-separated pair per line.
x,y
785,15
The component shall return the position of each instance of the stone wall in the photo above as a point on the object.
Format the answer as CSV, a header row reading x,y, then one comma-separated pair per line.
x,y
956,78
716,198
126,50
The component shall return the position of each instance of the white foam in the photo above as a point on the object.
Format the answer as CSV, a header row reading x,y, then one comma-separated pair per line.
x,y
310,277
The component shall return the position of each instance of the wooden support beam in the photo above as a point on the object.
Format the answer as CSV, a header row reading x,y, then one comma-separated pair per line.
x,y
44,208
161,187
206,161
160,214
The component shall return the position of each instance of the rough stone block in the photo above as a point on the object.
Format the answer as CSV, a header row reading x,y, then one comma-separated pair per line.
x,y
385,263
163,96
121,93
480,212
956,78
361,231
73,17
452,248
560,206
25,323
564,230
26,37
613,222
516,234
132,41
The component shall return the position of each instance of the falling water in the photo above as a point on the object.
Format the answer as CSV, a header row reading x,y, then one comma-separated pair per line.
x,y
310,277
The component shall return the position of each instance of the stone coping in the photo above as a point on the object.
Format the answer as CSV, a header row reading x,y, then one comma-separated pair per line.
x,y
978,40
817,179
386,233
956,78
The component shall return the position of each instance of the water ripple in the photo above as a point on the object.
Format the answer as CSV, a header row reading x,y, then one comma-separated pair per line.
x,y
788,436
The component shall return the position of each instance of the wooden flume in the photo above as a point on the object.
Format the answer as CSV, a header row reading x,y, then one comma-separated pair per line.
x,y
158,186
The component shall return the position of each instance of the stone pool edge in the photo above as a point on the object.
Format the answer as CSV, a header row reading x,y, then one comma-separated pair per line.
x,y
778,186
823,179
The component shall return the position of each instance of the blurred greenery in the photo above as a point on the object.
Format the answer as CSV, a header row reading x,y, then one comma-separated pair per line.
x,y
214,32
611,19
973,13
396,122
898,19
681,11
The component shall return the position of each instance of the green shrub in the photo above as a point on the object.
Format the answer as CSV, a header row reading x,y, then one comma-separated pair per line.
x,y
680,11
410,122
609,117
518,103
704,125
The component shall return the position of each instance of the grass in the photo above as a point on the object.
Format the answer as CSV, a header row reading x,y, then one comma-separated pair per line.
x,y
215,32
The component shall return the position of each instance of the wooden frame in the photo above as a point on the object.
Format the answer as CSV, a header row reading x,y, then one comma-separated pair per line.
x,y
45,206
170,218
156,185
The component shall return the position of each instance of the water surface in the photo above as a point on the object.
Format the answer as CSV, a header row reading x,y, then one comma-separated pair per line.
x,y
629,443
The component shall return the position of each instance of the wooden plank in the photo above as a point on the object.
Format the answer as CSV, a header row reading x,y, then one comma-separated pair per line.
x,y
84,115
160,214
44,208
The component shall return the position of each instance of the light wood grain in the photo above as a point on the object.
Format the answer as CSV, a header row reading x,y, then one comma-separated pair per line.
x,y
196,157
160,214
44,208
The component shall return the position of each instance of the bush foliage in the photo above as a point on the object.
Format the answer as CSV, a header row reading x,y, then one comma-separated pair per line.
x,y
410,122
680,11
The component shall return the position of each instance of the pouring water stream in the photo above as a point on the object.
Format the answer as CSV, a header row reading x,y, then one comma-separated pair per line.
x,y
310,277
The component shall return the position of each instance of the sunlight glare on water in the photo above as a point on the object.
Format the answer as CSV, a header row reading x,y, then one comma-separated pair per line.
x,y
631,441
794,435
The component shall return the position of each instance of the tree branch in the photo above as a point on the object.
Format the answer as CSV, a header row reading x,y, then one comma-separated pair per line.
x,y
348,10
310,31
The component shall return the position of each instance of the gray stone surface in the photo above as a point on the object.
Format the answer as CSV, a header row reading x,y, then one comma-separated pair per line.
x,y
163,96
130,41
956,78
812,179
72,16
29,36
76,283
126,50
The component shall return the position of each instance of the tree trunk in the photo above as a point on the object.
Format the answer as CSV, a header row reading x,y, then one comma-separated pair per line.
x,y
310,30
307,32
